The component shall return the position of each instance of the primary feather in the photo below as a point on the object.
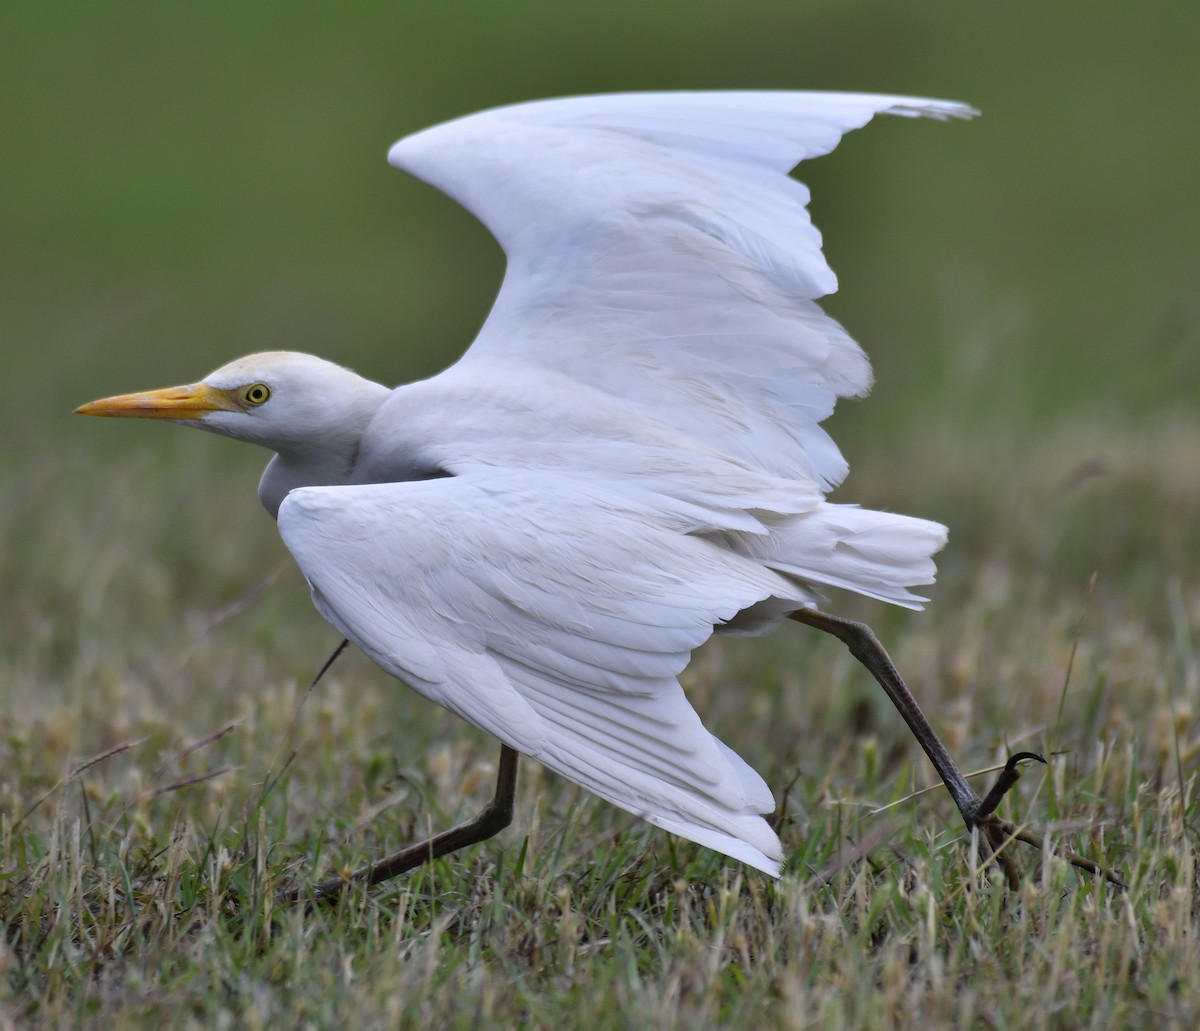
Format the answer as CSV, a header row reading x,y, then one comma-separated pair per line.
x,y
628,456
658,251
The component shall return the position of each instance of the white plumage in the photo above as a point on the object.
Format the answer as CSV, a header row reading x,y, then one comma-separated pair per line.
x,y
628,456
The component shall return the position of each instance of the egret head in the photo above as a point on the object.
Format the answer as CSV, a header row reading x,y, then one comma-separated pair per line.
x,y
279,399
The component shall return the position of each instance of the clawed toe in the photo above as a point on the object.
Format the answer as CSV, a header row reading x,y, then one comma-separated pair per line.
x,y
995,834
1008,777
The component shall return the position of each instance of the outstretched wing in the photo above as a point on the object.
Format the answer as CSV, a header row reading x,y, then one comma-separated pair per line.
x,y
658,250
555,613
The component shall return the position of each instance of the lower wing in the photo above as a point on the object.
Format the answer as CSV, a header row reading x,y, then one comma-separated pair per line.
x,y
555,613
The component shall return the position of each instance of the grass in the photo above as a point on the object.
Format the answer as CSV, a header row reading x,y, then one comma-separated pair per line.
x,y
190,183
167,772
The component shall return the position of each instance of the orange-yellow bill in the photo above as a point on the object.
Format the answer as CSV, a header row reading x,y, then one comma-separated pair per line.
x,y
190,402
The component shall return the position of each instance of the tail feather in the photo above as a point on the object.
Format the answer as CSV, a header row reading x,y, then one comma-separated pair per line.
x,y
877,554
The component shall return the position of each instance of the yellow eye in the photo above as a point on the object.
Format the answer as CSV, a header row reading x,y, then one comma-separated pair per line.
x,y
256,394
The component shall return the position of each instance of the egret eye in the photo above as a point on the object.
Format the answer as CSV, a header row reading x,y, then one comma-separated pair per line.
x,y
256,394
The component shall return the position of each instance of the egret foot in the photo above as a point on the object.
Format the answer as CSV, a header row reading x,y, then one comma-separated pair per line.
x,y
1008,777
496,815
992,835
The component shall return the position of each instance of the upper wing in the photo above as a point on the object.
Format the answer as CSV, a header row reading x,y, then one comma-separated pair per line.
x,y
657,250
555,614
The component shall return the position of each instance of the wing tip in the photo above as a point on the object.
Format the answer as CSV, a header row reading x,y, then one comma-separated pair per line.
x,y
938,110
401,153
396,152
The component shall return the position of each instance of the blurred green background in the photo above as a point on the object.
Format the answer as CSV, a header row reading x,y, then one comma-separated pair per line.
x,y
184,183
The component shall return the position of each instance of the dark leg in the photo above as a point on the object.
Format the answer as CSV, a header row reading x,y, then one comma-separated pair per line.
x,y
495,817
991,833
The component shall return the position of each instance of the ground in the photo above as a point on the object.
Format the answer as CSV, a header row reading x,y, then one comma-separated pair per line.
x,y
179,773
189,183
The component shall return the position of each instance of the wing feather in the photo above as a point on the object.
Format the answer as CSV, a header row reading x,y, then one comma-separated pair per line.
x,y
658,251
579,674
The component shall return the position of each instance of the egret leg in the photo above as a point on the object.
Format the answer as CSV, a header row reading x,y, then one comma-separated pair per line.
x,y
990,833
496,815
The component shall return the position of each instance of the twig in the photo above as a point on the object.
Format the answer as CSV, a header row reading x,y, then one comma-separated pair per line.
x,y
848,857
187,782
81,768
202,743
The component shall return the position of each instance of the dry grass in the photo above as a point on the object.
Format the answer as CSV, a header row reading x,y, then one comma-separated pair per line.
x,y
166,774
202,180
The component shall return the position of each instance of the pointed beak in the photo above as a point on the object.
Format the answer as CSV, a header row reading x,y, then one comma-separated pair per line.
x,y
190,402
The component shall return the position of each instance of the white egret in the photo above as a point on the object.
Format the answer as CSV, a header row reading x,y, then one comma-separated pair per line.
x,y
627,458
